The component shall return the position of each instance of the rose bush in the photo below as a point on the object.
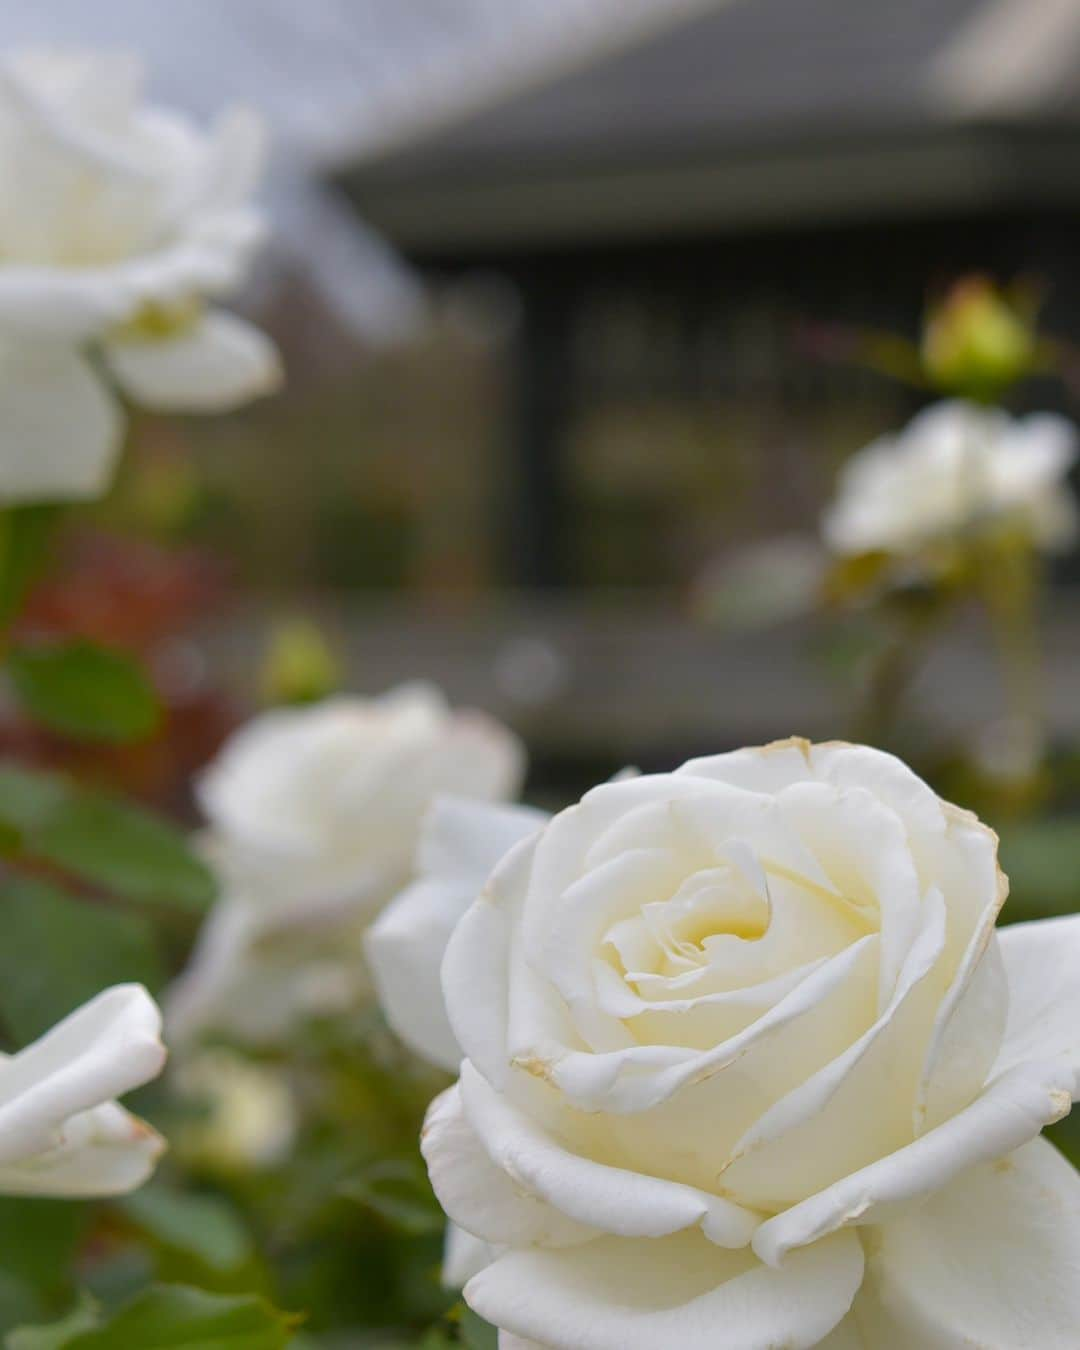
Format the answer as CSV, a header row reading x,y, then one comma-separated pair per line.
x,y
747,1064
118,220
313,820
60,1134
956,466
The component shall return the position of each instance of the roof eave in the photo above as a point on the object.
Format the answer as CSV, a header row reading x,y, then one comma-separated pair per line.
x,y
466,210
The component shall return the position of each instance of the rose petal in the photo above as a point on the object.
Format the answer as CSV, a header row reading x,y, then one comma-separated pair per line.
x,y
990,1260
104,1151
476,975
460,843
611,1199
463,840
968,1028
463,1256
1041,964
61,427
219,363
642,1076
80,304
106,1048
854,1108
480,1197
640,1294
1012,1110
863,848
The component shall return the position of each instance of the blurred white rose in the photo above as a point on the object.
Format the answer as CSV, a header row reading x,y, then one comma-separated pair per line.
x,y
747,1063
313,820
956,466
247,1116
60,1132
118,220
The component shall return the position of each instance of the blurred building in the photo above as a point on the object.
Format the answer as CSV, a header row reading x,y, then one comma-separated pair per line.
x,y
677,214
636,220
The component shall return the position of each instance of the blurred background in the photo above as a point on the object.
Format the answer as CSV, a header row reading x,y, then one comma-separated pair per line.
x,y
570,295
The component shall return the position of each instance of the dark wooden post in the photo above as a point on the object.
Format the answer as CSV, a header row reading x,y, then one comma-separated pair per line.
x,y
536,541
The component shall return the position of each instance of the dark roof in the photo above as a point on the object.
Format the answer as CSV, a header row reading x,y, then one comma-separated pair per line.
x,y
752,111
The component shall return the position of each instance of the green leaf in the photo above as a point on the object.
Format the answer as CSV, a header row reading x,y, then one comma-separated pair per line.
x,y
172,1317
85,1316
126,850
202,1226
40,1239
112,844
86,691
24,538
58,952
397,1189
28,797
19,1303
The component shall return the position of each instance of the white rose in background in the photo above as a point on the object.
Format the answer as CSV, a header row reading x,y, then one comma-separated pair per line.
x,y
956,467
721,1026
243,1114
119,220
313,816
60,1132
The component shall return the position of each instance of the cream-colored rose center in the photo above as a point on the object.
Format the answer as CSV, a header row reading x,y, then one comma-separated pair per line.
x,y
740,921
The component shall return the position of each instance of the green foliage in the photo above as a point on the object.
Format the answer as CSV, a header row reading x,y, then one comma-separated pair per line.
x,y
79,689
85,1316
103,841
58,952
398,1190
25,532
205,1229
165,1317
40,1240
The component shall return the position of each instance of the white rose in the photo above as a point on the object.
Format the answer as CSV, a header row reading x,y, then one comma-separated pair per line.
x,y
117,220
721,1028
956,466
314,815
60,1132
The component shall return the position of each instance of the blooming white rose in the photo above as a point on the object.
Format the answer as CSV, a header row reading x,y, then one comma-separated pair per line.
x,y
118,220
956,466
314,815
60,1132
722,1028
